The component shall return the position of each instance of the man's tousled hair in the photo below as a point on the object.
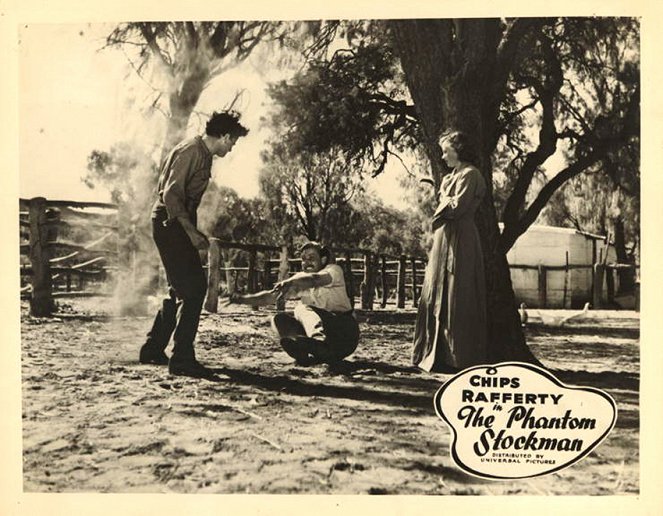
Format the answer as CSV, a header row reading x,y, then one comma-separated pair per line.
x,y
225,122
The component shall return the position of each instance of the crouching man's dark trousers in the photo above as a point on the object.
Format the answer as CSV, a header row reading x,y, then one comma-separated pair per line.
x,y
332,336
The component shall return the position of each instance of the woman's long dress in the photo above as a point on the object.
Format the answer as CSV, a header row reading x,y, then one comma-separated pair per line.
x,y
451,321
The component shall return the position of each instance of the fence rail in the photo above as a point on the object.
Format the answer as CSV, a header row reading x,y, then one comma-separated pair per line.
x,y
372,277
361,272
43,220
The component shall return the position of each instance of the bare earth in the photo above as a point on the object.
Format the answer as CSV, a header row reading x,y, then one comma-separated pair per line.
x,y
94,420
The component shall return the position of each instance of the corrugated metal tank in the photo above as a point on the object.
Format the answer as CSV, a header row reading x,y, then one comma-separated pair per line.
x,y
547,246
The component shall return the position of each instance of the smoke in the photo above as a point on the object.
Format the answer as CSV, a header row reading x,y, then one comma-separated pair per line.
x,y
141,126
160,105
130,174
138,272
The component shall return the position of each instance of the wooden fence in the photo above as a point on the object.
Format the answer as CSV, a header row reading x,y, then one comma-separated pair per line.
x,y
367,273
52,267
51,263
602,275
393,279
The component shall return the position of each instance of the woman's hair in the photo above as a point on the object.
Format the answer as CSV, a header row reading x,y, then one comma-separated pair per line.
x,y
323,251
461,144
226,122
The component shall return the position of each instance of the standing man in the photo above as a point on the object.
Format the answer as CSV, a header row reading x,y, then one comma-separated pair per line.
x,y
183,178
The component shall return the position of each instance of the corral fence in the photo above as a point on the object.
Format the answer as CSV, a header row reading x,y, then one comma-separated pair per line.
x,y
370,277
56,264
53,264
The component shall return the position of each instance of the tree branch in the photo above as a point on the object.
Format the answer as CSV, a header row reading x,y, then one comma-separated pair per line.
x,y
576,115
218,40
557,181
510,117
547,134
507,50
246,45
193,38
394,107
323,39
150,38
514,230
513,41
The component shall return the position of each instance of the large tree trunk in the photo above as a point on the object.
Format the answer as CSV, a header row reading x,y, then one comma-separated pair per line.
x,y
450,67
183,101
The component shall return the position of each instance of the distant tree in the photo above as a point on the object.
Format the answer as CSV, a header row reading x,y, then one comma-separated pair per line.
x,y
130,176
309,194
127,172
385,229
177,60
594,203
225,215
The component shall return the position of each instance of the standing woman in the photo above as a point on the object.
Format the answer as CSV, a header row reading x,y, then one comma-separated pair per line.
x,y
451,323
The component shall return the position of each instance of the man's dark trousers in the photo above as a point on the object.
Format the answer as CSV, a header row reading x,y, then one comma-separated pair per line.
x,y
187,286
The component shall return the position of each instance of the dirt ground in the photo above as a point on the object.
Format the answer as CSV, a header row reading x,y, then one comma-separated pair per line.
x,y
94,420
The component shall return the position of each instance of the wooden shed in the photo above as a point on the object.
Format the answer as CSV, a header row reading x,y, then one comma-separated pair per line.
x,y
552,267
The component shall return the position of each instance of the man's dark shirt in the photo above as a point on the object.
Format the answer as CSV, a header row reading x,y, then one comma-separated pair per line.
x,y
183,178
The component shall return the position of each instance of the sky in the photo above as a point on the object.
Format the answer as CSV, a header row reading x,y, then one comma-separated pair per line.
x,y
75,97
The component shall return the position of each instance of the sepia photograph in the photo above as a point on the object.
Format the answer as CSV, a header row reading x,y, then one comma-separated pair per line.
x,y
321,255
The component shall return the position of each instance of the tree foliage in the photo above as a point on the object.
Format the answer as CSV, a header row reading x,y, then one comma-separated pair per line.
x,y
309,194
352,102
179,59
385,229
126,171
569,83
586,101
225,215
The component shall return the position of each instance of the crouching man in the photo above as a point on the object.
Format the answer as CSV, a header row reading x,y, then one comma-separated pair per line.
x,y
322,327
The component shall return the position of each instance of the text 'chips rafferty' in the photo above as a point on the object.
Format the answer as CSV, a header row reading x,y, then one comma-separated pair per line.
x,y
516,420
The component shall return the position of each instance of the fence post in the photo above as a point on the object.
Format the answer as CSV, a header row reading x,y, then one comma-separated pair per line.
x,y
251,280
52,228
266,272
566,279
284,267
366,298
610,283
350,287
415,296
213,276
371,280
400,294
543,286
41,301
231,277
599,270
383,277
251,275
